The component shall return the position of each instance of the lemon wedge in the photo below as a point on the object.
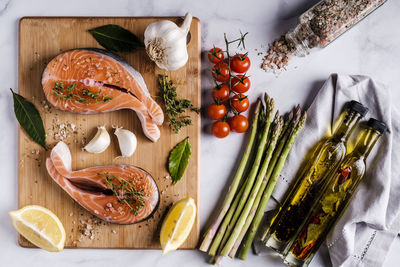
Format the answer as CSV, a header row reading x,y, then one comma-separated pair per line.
x,y
177,224
40,226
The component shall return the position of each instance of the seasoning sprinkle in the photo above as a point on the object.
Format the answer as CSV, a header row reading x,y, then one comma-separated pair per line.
x,y
126,193
70,92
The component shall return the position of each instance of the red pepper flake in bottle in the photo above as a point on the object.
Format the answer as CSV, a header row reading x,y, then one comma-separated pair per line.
x,y
344,175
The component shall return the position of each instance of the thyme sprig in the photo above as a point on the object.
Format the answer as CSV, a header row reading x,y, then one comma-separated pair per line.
x,y
70,92
125,192
174,107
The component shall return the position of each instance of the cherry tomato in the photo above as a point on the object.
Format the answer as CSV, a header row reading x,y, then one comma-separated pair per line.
x,y
221,129
240,63
216,112
239,123
215,55
221,93
240,103
220,72
240,83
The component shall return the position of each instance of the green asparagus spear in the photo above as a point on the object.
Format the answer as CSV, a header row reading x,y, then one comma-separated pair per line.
x,y
270,187
222,229
274,136
282,140
228,220
285,133
233,221
236,181
250,200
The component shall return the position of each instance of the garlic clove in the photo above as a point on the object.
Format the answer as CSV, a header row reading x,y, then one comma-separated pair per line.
x,y
127,141
99,142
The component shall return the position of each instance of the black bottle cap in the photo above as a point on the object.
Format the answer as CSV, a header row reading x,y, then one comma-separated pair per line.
x,y
357,107
380,126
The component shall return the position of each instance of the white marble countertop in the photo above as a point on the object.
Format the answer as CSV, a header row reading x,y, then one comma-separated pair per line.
x,y
371,48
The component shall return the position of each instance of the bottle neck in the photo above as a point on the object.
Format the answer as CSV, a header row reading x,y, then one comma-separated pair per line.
x,y
365,142
301,39
347,122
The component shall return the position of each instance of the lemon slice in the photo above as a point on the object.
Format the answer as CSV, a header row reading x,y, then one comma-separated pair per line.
x,y
40,226
177,224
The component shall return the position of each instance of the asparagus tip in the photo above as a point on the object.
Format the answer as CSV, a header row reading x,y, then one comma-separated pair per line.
x,y
297,115
269,102
290,115
281,120
298,109
278,127
302,121
276,118
257,110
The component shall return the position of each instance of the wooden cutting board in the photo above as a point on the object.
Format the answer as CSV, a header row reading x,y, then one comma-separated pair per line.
x,y
42,38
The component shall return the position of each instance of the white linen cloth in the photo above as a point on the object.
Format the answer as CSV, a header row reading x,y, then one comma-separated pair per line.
x,y
366,230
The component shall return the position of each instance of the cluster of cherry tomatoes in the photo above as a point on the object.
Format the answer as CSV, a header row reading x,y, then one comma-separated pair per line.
x,y
231,83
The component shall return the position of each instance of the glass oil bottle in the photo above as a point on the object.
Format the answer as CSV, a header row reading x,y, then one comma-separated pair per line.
x,y
335,199
325,159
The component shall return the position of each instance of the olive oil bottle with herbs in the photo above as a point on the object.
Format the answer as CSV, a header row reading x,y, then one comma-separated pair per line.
x,y
312,180
335,199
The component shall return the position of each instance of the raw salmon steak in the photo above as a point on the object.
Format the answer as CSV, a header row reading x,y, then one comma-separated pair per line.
x,y
120,194
90,81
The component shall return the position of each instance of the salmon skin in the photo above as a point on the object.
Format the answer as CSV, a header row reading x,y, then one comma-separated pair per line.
x,y
90,81
120,194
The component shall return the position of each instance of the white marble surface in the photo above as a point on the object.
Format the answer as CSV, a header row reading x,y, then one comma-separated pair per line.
x,y
371,48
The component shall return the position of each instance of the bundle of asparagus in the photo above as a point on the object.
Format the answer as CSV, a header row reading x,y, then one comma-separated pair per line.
x,y
271,139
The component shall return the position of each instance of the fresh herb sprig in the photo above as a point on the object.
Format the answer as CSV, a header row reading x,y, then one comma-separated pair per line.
x,y
125,192
174,107
69,92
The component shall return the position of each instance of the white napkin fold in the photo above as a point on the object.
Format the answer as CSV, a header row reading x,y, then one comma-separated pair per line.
x,y
366,230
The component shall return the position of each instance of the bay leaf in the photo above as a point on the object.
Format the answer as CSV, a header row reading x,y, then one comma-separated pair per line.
x,y
179,159
116,39
29,119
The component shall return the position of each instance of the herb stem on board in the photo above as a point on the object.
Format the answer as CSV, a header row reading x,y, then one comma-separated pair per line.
x,y
174,107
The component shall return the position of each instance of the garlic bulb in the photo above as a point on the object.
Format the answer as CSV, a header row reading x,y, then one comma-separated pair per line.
x,y
100,141
127,141
166,43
